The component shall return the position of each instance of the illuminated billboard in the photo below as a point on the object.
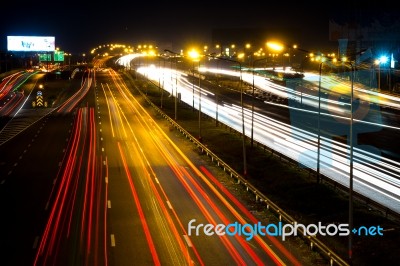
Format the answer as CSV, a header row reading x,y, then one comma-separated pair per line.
x,y
30,43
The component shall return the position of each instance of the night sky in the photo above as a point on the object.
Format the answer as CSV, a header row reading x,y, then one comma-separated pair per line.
x,y
81,26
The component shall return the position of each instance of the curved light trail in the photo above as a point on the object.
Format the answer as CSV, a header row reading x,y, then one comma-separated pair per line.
x,y
167,190
375,177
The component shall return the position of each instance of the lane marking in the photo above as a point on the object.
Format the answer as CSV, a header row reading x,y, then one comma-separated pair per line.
x,y
112,240
188,242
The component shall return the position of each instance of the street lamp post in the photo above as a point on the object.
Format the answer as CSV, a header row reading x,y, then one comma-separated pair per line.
x,y
161,85
351,163
176,81
196,57
193,88
242,111
216,97
199,102
176,88
252,102
351,144
379,74
379,77
171,82
381,60
319,124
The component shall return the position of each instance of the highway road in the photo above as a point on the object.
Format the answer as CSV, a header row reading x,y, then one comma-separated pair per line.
x,y
293,130
100,183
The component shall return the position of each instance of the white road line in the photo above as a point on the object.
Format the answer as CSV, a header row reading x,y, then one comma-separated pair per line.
x,y
112,240
188,242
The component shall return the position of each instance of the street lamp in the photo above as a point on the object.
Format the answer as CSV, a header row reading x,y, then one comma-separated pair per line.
x,y
241,103
161,85
351,162
176,81
323,59
351,144
198,70
379,61
319,123
196,57
216,96
252,102
276,47
159,80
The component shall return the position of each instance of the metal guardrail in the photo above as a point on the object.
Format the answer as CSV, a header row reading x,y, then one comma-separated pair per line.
x,y
315,243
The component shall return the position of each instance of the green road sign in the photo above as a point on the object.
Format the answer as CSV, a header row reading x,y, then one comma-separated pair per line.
x,y
59,56
45,57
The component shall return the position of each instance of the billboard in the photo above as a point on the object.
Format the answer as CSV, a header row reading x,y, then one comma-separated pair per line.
x,y
30,43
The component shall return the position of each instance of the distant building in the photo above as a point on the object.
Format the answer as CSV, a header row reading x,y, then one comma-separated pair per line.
x,y
381,36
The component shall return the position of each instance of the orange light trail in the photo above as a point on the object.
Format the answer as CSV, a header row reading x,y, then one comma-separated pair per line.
x,y
140,210
249,215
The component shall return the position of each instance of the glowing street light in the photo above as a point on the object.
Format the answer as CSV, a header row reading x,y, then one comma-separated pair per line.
x,y
275,46
196,57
